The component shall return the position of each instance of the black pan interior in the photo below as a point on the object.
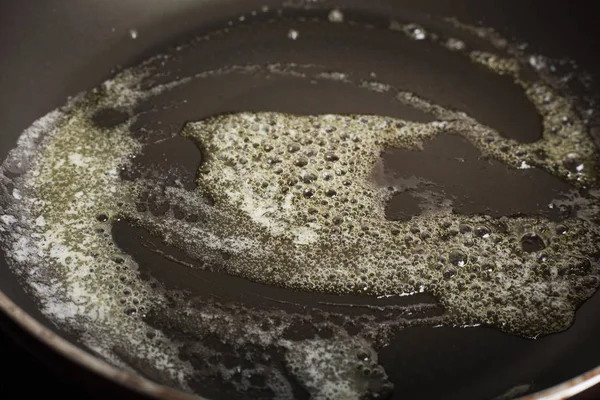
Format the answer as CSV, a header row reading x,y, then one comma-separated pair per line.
x,y
52,49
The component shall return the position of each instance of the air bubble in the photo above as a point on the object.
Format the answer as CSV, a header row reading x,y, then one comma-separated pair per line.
x,y
102,217
415,32
457,257
293,34
363,356
308,193
463,228
301,162
531,243
573,163
131,311
331,157
308,177
482,232
336,16
566,120
449,273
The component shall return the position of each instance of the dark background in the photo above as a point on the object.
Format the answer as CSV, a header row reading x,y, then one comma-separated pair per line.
x,y
559,24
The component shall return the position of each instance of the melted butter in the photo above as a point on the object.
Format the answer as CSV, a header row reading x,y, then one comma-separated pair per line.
x,y
295,205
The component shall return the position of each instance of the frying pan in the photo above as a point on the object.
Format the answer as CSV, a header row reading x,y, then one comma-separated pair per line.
x,y
56,49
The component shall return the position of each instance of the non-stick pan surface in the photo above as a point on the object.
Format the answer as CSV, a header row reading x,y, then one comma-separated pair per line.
x,y
54,49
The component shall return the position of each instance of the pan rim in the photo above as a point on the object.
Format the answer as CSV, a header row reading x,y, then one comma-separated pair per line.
x,y
144,386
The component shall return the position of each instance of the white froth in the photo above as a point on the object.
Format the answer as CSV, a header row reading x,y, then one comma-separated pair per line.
x,y
336,369
8,219
57,235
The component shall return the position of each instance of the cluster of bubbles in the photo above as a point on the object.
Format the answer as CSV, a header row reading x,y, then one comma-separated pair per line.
x,y
324,364
65,197
293,205
297,194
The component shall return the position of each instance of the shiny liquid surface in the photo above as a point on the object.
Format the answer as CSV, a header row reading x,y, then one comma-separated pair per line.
x,y
97,143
